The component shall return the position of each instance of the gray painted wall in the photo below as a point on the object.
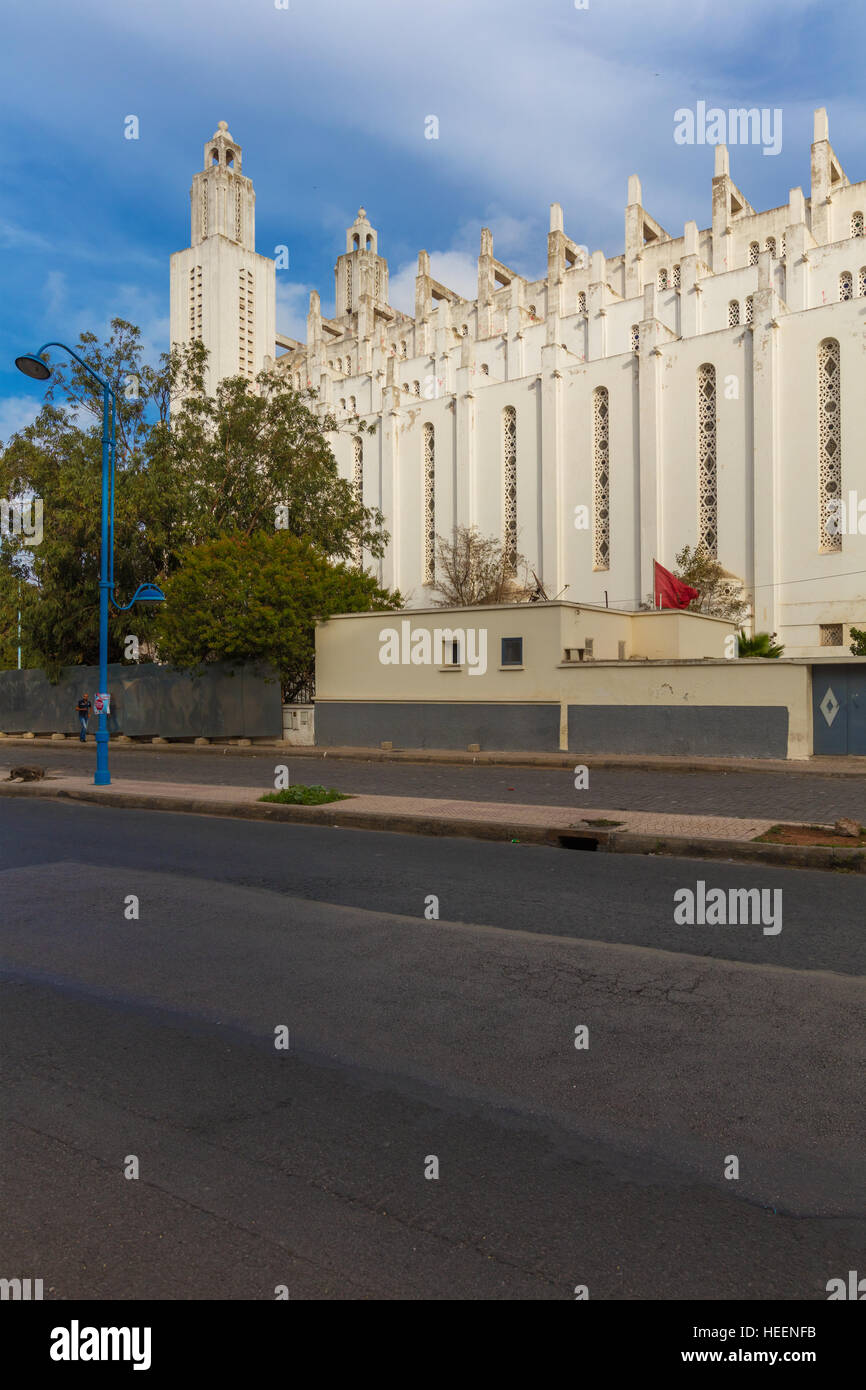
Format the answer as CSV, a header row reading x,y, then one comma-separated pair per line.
x,y
148,700
511,728
745,731
709,730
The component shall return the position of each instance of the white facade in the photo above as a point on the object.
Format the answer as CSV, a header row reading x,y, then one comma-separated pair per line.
x,y
696,388
221,291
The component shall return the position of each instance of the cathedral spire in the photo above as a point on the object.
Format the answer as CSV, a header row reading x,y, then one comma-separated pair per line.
x,y
361,274
222,198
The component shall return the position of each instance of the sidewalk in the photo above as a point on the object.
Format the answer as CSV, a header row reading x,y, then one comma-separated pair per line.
x,y
627,832
638,762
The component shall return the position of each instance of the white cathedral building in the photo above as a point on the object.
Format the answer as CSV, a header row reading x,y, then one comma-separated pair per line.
x,y
695,389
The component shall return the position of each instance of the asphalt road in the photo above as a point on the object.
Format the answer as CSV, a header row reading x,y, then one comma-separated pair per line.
x,y
414,1039
780,795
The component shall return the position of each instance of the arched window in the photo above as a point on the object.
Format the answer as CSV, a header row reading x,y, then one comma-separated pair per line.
x,y
635,337
663,279
416,388
734,313
356,242
214,156
485,370
532,310
369,242
750,308
754,252
784,250
353,407
403,350
509,469
677,279
406,387
829,444
708,504
339,364
861,279
230,159
856,224
429,505
581,301
342,403
601,479
846,285
770,245
464,330
358,482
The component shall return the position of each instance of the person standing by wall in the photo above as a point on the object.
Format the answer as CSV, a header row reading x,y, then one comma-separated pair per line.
x,y
82,709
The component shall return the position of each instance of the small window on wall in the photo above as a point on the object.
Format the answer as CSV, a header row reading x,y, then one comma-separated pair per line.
x,y
831,634
451,653
512,651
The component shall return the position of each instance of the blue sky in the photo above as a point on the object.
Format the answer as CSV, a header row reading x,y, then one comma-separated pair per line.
x,y
537,101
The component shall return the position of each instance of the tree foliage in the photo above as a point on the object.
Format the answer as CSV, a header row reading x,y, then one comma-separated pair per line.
x,y
761,644
720,595
256,598
190,468
472,569
858,645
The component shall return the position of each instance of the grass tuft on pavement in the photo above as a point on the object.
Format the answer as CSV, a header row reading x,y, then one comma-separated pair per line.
x,y
299,795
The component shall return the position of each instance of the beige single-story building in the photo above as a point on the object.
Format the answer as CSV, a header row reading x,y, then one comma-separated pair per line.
x,y
558,676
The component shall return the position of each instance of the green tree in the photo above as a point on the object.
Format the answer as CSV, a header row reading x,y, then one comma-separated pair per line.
x,y
242,599
719,592
858,646
189,468
761,644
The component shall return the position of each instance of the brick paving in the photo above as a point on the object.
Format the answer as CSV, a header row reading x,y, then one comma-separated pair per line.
x,y
425,808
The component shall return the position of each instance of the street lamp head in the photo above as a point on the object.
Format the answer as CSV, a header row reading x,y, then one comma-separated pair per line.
x,y
33,367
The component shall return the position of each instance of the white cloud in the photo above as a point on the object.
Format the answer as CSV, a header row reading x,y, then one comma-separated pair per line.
x,y
16,412
54,293
455,269
293,303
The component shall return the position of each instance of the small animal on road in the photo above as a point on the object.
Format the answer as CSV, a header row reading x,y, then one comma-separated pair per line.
x,y
26,774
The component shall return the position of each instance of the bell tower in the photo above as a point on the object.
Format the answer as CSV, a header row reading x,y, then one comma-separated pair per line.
x,y
361,272
222,292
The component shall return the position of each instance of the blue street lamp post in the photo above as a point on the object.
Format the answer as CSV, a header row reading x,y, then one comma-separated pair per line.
x,y
34,367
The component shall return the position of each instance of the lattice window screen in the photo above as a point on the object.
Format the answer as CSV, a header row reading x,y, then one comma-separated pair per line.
x,y
509,462
829,444
846,285
601,478
429,505
708,506
358,482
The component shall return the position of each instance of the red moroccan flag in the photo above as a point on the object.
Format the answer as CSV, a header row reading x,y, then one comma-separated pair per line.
x,y
671,592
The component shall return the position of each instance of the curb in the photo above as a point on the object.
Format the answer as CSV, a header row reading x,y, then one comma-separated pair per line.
x,y
855,767
824,857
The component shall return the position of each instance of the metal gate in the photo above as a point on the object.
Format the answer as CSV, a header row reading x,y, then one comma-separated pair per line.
x,y
839,709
